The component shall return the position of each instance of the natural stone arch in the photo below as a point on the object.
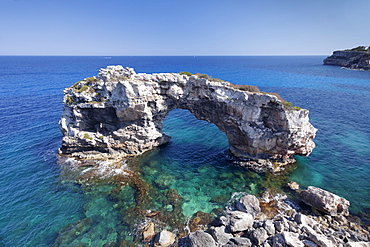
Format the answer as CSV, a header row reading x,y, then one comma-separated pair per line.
x,y
121,113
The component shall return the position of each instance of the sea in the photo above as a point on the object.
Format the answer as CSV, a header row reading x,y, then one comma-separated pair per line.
x,y
41,205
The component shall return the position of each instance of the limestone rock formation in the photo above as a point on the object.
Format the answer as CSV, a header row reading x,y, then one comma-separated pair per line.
x,y
120,113
249,204
356,58
293,229
325,201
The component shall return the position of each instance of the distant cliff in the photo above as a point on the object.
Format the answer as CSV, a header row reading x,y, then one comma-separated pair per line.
x,y
356,58
121,113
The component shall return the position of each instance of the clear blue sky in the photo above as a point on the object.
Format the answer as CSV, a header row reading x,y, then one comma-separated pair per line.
x,y
179,27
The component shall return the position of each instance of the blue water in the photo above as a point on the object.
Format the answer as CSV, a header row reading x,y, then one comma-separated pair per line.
x,y
37,200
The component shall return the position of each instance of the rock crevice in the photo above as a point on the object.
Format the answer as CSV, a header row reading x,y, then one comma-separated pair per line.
x,y
120,113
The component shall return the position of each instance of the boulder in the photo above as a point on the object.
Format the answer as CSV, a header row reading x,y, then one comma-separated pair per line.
x,y
269,227
278,240
201,239
239,221
249,204
164,239
258,236
317,238
148,232
220,234
293,185
309,243
292,239
238,242
304,220
325,201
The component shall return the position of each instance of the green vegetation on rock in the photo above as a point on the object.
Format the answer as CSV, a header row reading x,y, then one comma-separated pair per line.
x,y
185,73
360,48
248,88
204,76
69,100
289,105
86,136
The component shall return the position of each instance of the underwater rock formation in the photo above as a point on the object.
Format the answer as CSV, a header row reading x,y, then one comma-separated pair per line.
x,y
120,113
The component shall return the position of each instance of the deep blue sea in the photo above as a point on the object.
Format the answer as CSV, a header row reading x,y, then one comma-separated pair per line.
x,y
37,200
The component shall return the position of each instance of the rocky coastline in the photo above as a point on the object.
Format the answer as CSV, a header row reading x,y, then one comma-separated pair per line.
x,y
274,221
120,113
357,58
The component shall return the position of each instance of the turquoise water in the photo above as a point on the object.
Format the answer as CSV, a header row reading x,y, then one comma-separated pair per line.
x,y
39,199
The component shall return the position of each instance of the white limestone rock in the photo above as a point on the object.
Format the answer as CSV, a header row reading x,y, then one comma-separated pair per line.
x,y
123,113
325,201
239,221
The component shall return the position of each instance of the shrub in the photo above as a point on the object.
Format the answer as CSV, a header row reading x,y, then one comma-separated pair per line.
x,y
83,88
360,48
76,86
249,88
204,76
91,79
289,105
185,73
86,136
69,100
216,79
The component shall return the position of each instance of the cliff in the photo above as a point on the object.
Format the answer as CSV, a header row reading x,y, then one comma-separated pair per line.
x,y
120,113
356,58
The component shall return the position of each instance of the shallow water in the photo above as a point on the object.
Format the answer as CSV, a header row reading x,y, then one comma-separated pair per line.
x,y
39,199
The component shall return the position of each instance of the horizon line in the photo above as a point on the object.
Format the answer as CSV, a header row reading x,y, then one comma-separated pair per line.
x,y
261,55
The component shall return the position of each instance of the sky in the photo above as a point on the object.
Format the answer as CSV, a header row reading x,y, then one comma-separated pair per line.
x,y
179,27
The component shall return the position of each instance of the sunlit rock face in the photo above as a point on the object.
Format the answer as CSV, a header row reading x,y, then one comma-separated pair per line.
x,y
356,58
120,113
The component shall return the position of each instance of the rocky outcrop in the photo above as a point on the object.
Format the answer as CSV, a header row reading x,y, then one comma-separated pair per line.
x,y
120,113
288,227
356,58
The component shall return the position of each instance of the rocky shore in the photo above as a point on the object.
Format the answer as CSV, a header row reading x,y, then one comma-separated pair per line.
x,y
120,113
275,221
357,58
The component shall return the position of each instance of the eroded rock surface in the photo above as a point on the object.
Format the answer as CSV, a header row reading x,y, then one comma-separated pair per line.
x,y
325,201
287,228
120,113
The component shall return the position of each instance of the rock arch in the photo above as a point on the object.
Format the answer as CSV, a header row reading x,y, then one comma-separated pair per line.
x,y
121,113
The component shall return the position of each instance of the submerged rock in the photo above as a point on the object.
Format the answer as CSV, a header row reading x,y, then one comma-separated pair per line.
x,y
149,232
120,113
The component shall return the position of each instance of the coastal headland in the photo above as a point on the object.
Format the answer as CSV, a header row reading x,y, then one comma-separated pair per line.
x,y
120,113
356,58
